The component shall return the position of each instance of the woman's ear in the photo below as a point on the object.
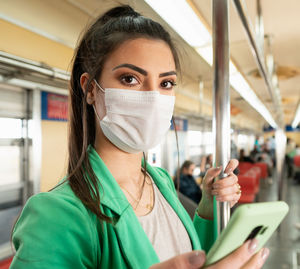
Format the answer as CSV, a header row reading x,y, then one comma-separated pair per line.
x,y
90,98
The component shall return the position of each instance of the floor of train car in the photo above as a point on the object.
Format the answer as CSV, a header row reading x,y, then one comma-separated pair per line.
x,y
285,243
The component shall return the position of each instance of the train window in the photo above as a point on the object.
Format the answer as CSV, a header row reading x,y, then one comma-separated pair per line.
x,y
10,166
10,128
10,139
15,146
194,138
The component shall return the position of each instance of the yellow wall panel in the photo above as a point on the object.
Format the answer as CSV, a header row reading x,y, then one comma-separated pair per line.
x,y
24,43
293,135
54,153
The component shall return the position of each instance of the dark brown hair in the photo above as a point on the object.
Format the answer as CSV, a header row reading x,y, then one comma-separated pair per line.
x,y
108,32
185,165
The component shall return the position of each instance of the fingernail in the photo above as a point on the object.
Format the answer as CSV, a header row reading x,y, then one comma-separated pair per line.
x,y
265,253
196,258
219,167
228,170
252,245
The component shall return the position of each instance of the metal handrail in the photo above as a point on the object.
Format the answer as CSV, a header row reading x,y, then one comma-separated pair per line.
x,y
257,55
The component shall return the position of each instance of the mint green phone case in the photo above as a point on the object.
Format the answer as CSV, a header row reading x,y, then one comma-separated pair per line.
x,y
261,219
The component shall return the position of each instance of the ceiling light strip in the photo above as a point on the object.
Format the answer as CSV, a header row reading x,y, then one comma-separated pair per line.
x,y
182,18
297,117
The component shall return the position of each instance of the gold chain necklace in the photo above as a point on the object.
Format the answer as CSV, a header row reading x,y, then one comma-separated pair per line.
x,y
149,205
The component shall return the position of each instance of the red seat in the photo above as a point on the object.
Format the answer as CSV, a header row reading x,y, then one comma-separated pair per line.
x,y
253,173
257,171
264,169
245,166
5,263
297,161
248,185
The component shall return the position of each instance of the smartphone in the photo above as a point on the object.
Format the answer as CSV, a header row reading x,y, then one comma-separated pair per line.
x,y
248,221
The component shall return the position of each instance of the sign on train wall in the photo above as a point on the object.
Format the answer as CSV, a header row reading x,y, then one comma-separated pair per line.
x,y
181,124
54,106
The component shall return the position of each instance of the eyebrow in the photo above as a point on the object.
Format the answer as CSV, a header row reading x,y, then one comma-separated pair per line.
x,y
142,71
167,74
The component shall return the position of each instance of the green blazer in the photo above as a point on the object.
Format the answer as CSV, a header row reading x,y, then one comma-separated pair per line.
x,y
55,230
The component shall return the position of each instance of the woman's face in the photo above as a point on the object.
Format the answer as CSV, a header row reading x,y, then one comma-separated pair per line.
x,y
190,170
140,64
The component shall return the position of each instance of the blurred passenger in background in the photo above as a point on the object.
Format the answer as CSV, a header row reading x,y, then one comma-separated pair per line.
x,y
265,157
297,150
272,148
244,158
254,153
187,183
257,144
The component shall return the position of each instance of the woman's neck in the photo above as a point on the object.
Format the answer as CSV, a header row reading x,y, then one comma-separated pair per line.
x,y
126,170
125,167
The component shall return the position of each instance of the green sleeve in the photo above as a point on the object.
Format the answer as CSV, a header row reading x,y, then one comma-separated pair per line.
x,y
53,232
205,231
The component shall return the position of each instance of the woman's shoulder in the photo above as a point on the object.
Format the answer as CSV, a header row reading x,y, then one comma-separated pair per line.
x,y
60,194
56,206
54,222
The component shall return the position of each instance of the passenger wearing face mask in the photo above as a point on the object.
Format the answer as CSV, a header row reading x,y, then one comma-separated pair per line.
x,y
112,209
188,185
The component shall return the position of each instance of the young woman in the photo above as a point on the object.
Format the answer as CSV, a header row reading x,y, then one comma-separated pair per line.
x,y
112,210
188,185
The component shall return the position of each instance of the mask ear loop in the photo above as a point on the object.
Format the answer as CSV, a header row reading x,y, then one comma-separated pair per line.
x,y
93,104
96,112
99,86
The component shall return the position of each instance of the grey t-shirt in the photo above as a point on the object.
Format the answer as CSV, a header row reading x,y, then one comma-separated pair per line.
x,y
164,229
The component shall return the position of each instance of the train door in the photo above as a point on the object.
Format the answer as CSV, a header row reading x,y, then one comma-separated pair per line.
x,y
15,147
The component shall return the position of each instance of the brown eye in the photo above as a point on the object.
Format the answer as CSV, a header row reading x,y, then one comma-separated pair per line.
x,y
129,80
168,84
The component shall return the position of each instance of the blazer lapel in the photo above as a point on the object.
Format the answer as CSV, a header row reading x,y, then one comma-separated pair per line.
x,y
133,241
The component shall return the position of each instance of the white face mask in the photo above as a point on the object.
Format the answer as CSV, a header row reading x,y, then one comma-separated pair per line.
x,y
136,121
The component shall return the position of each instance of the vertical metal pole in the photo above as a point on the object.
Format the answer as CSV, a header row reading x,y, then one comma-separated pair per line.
x,y
221,109
280,145
25,152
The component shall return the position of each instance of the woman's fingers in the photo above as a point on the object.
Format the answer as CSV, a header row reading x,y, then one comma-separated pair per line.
x,y
231,189
231,166
240,257
214,172
258,260
227,189
211,174
226,182
228,198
